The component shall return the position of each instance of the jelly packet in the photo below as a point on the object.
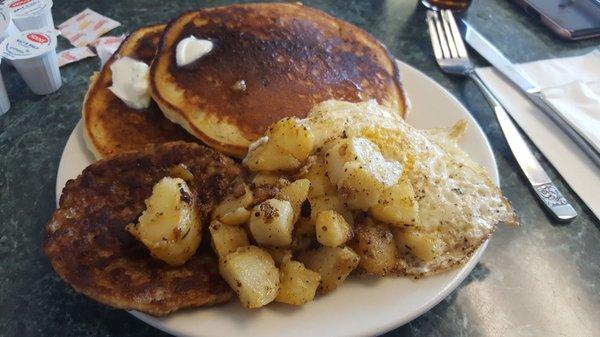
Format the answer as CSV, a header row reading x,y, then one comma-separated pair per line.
x,y
106,46
73,55
85,27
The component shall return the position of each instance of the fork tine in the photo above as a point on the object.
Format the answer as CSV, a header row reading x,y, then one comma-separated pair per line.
x,y
441,35
458,40
449,36
435,41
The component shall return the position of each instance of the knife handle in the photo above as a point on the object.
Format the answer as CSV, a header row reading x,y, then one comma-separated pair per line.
x,y
555,201
545,190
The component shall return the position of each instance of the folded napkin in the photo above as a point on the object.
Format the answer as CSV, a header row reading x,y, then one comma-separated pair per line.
x,y
572,85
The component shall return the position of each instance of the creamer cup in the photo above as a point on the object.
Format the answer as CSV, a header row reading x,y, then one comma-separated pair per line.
x,y
7,27
31,14
33,54
4,102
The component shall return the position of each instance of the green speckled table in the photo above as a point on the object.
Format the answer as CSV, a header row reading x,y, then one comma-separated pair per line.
x,y
542,279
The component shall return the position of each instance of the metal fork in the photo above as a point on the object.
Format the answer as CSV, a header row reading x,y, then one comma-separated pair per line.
x,y
452,57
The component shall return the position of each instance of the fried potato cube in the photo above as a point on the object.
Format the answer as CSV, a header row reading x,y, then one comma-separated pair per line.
x,y
271,223
292,137
251,273
332,229
304,229
232,209
333,264
297,284
360,172
358,188
287,144
170,226
376,247
344,151
268,157
362,152
426,246
326,203
397,205
296,193
320,184
226,238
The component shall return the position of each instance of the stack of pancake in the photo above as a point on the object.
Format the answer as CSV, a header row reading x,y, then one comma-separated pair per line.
x,y
290,58
110,125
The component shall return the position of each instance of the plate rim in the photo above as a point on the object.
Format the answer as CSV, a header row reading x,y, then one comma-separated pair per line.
x,y
392,324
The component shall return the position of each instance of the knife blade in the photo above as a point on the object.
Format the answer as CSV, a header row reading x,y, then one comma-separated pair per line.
x,y
541,183
506,68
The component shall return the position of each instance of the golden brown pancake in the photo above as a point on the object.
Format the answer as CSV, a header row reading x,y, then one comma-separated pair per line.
x,y
89,247
111,126
290,57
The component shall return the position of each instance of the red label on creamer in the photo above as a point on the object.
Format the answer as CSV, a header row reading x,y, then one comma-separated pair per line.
x,y
28,44
18,3
36,37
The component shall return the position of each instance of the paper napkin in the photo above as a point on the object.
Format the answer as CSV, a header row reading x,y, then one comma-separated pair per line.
x,y
572,85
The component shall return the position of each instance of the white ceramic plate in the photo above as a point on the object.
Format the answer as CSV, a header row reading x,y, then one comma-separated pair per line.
x,y
360,307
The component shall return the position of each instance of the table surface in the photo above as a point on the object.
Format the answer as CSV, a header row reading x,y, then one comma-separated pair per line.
x,y
542,279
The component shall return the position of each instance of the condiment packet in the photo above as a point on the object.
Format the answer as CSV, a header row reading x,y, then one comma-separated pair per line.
x,y
106,46
86,27
73,55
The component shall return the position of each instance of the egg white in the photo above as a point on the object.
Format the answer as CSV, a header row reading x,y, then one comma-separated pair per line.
x,y
457,199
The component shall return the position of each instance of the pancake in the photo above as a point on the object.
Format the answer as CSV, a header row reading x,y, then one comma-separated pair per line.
x,y
290,57
110,125
90,249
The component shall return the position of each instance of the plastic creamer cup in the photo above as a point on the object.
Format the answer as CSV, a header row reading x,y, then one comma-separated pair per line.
x,y
7,27
31,14
4,102
33,54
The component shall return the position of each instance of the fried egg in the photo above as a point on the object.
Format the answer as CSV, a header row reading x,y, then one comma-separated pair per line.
x,y
458,203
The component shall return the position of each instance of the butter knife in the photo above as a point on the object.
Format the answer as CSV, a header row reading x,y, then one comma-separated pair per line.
x,y
506,68
545,190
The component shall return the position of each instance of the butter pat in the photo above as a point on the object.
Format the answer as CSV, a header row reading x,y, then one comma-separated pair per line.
x,y
190,49
130,82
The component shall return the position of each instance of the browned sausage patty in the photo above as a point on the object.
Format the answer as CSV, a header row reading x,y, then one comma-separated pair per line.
x,y
89,248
